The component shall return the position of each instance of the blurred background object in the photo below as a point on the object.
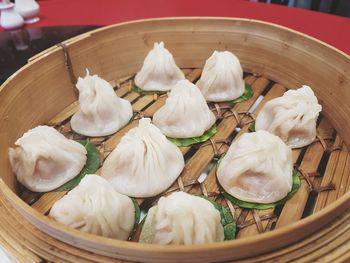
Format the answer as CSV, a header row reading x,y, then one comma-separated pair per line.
x,y
10,19
28,9
5,3
17,46
14,15
335,7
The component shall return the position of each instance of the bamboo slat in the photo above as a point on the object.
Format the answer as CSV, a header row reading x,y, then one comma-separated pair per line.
x,y
143,103
318,245
309,164
341,177
211,183
346,188
63,115
335,166
155,106
132,96
46,201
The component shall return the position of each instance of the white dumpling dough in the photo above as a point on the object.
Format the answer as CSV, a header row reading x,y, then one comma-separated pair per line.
x,y
258,167
44,159
185,113
159,71
144,163
292,117
181,218
222,77
95,207
101,112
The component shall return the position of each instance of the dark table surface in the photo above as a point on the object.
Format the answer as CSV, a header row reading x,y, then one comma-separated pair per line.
x,y
17,46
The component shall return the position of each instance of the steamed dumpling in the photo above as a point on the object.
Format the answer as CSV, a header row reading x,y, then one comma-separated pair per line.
x,y
101,111
144,163
44,159
258,168
159,71
181,218
95,207
185,113
222,77
292,117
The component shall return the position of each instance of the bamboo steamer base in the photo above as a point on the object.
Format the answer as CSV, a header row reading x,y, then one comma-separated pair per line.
x,y
312,225
28,244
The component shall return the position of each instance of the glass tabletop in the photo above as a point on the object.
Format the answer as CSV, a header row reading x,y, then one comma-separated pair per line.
x,y
17,46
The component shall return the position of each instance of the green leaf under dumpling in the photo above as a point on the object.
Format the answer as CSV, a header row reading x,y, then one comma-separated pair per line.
x,y
189,141
137,218
146,92
137,212
226,219
259,206
148,231
248,93
91,166
252,127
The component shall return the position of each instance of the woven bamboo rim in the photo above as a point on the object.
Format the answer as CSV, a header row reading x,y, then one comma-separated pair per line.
x,y
28,244
330,206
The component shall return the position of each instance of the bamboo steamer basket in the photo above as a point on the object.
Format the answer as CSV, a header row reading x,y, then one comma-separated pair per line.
x,y
273,57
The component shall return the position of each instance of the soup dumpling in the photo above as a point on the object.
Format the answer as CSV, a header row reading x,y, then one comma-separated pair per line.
x,y
159,71
44,159
182,218
292,117
185,113
222,77
144,163
257,168
95,207
101,112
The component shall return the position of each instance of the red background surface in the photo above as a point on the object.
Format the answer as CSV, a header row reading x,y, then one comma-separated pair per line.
x,y
331,29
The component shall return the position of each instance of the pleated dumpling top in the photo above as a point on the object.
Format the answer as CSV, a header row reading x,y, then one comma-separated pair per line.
x,y
101,112
182,218
44,159
145,163
95,207
185,113
257,168
222,77
159,71
291,117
